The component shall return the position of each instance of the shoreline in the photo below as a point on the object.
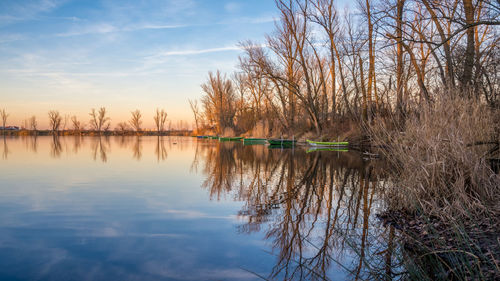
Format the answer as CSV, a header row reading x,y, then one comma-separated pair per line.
x,y
95,133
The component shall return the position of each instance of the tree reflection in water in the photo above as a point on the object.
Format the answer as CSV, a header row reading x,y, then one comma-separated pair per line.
x,y
56,147
316,209
100,146
31,143
137,148
77,143
5,150
160,150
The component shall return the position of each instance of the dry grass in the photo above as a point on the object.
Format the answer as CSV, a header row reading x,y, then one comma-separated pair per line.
x,y
438,168
261,130
445,197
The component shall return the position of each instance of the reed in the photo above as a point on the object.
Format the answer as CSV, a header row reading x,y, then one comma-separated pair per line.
x,y
440,158
445,196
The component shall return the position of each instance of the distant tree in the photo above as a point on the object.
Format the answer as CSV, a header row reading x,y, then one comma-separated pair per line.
x,y
98,120
196,112
33,123
4,116
77,125
122,127
65,121
25,125
135,120
160,119
55,121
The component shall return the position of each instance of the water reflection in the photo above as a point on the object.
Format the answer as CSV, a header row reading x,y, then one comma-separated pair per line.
x,y
5,150
137,148
315,208
55,148
100,146
160,150
77,143
312,213
31,143
123,141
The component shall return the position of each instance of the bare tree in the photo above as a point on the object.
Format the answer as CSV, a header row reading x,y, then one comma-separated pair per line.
x,y
99,121
160,118
219,101
55,121
387,55
135,120
196,112
33,123
399,64
77,125
122,127
4,116
65,122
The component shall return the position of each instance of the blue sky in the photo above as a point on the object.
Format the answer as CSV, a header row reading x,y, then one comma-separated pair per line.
x,y
75,55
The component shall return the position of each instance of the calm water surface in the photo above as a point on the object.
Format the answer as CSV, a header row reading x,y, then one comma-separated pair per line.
x,y
178,208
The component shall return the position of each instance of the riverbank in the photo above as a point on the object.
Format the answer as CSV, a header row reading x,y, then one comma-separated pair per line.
x,y
437,249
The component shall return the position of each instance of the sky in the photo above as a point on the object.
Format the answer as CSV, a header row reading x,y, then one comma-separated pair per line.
x,y
74,55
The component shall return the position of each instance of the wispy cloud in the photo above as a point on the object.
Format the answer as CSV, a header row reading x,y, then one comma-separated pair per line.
x,y
20,11
74,19
199,51
155,26
103,28
232,7
5,38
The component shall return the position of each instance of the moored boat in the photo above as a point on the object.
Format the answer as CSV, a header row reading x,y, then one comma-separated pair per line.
x,y
324,143
282,142
248,141
230,138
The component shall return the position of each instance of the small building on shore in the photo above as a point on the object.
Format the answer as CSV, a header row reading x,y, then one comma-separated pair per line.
x,y
9,128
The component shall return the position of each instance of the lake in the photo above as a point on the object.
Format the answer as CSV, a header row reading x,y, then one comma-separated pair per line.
x,y
181,208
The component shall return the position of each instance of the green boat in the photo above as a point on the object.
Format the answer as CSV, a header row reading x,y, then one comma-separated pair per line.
x,y
213,137
282,142
230,138
250,141
324,143
340,149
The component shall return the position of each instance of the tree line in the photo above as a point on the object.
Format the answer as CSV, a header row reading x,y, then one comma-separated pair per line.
x,y
322,66
99,122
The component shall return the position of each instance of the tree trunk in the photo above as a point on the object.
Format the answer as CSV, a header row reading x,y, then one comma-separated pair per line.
x,y
399,60
470,50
